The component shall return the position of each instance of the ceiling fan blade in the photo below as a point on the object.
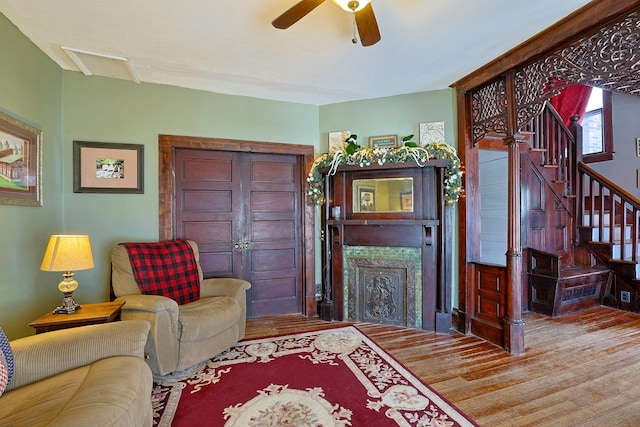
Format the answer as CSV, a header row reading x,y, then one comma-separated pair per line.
x,y
367,26
295,13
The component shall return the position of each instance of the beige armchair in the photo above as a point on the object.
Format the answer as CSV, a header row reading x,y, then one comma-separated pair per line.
x,y
182,335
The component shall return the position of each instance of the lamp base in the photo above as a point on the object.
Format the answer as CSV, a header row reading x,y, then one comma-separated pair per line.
x,y
69,305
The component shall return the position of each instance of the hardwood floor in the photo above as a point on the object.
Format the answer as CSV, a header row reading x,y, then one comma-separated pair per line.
x,y
578,370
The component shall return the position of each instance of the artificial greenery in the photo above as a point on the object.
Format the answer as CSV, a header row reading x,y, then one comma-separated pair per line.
x,y
354,154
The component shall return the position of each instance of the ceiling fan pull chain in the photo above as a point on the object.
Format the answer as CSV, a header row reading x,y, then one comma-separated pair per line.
x,y
354,40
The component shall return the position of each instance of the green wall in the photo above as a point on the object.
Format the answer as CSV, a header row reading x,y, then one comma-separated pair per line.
x,y
395,115
110,110
30,90
69,106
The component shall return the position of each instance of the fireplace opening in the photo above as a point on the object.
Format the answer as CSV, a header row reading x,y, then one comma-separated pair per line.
x,y
382,287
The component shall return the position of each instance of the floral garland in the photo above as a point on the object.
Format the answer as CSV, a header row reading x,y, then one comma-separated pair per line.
x,y
355,155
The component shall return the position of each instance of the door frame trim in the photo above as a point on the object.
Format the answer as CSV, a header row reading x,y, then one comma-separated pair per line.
x,y
167,145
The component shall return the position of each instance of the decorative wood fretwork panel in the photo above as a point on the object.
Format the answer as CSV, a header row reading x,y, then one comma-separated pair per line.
x,y
489,110
609,58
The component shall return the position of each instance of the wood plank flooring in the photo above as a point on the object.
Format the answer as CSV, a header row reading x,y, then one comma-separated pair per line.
x,y
578,370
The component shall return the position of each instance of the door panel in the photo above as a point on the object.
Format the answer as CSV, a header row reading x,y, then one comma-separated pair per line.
x,y
208,202
275,234
225,199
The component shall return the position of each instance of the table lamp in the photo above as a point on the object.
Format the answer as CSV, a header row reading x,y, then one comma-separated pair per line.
x,y
67,253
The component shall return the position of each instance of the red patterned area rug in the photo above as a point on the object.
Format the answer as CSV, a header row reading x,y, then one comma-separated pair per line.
x,y
332,377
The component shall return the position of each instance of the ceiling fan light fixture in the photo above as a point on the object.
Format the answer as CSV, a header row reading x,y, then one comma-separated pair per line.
x,y
352,5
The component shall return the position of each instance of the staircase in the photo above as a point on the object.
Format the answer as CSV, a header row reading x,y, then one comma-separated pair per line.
x,y
608,228
580,230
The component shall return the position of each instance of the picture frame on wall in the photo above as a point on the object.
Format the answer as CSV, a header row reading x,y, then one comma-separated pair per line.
x,y
105,167
20,162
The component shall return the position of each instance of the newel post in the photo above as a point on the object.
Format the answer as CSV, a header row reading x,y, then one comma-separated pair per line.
x,y
513,323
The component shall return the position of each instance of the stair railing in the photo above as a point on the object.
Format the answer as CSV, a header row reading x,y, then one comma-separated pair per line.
x,y
551,136
606,205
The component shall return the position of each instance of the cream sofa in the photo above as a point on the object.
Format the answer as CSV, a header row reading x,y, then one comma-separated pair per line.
x,y
87,376
182,335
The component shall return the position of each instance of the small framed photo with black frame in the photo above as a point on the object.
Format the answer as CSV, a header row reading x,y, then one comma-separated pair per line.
x,y
366,199
104,167
388,141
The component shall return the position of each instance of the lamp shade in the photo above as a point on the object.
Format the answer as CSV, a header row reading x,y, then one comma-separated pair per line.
x,y
67,253
352,5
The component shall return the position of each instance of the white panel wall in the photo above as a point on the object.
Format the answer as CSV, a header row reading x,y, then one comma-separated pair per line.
x,y
493,206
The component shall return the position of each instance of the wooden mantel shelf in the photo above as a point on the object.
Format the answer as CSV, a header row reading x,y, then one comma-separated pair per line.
x,y
439,163
383,222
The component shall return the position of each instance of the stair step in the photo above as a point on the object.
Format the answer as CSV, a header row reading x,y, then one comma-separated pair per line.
x,y
577,271
606,233
632,268
586,218
616,251
577,288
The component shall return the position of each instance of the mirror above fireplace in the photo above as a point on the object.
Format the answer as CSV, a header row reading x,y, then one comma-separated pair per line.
x,y
382,195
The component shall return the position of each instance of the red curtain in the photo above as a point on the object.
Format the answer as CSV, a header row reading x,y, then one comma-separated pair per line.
x,y
572,100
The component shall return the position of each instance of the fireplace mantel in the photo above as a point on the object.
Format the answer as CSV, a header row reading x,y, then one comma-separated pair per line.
x,y
421,223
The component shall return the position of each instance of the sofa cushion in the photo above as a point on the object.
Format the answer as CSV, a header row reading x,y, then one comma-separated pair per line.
x,y
110,392
6,362
207,317
165,268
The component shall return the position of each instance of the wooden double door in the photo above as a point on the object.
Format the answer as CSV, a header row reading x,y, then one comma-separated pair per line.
x,y
245,211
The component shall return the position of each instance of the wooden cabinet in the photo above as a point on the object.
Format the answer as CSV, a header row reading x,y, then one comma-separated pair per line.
x,y
394,231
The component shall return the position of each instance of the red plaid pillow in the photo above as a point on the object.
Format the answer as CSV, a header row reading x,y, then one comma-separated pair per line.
x,y
166,268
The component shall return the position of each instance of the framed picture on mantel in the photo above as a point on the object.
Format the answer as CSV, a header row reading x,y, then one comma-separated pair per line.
x,y
388,141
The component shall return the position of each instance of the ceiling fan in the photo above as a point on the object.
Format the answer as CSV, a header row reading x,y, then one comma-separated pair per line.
x,y
365,20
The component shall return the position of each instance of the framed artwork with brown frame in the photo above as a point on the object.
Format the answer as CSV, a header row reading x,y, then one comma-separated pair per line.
x,y
20,162
406,201
105,167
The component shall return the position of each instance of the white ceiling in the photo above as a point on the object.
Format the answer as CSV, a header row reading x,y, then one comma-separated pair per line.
x,y
229,46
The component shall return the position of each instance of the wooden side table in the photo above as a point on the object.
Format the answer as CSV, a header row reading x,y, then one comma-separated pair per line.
x,y
89,314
